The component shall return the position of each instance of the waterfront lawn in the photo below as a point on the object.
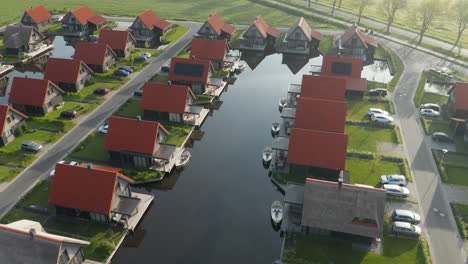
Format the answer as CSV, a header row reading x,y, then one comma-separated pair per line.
x,y
365,138
395,63
422,97
235,40
357,109
87,93
92,148
143,175
130,109
178,133
203,98
310,249
158,78
284,178
328,45
7,174
368,172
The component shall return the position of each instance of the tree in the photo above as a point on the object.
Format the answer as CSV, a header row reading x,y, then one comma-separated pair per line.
x,y
333,8
390,8
460,15
361,5
427,12
340,3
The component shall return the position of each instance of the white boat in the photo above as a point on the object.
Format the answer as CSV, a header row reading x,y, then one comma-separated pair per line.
x,y
183,160
240,67
267,156
275,128
282,103
276,212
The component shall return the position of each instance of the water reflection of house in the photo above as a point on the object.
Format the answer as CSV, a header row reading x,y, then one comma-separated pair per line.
x,y
82,21
301,39
98,56
35,96
4,70
295,62
10,121
317,87
346,67
121,42
138,143
69,74
213,50
335,209
458,101
259,36
148,28
38,17
171,103
252,58
354,43
215,28
97,193
19,39
26,241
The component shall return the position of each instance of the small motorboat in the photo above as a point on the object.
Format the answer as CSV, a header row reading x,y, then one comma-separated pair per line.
x,y
183,160
282,104
275,128
267,155
276,212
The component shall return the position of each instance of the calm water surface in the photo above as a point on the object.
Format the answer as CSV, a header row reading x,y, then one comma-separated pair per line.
x,y
219,209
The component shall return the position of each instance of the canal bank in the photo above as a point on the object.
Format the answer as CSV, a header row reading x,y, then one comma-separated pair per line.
x,y
218,211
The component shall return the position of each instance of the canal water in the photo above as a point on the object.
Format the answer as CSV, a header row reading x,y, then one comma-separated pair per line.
x,y
218,210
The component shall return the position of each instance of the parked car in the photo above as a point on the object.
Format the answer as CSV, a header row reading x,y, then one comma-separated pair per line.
x,y
429,112
396,190
434,107
69,113
441,137
31,146
406,216
382,118
103,129
378,91
372,111
101,91
121,73
125,68
141,58
59,19
393,179
165,68
404,228
138,92
69,162
146,54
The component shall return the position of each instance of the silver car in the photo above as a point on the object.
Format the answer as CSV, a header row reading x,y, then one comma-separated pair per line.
x,y
381,118
372,111
404,228
429,112
396,190
393,179
406,216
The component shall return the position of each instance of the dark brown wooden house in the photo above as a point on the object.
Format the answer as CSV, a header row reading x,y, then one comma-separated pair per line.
x,y
301,39
38,17
70,75
82,21
98,56
22,39
215,28
148,28
259,36
10,121
121,42
354,43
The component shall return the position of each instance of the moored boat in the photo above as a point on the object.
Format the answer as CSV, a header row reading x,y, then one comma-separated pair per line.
x,y
276,212
282,104
267,155
183,160
275,128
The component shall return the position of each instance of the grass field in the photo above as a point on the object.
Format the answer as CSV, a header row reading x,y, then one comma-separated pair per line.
x,y
92,148
87,93
178,133
366,138
452,168
357,109
368,172
131,108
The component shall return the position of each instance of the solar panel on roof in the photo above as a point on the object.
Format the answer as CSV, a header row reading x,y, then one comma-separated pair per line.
x,y
342,68
189,69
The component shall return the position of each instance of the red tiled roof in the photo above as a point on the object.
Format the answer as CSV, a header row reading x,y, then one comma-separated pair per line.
x,y
321,115
219,25
92,52
151,20
317,149
80,188
323,87
165,98
133,135
64,70
39,13
461,96
211,49
4,114
116,39
203,78
28,91
354,30
328,61
84,15
265,29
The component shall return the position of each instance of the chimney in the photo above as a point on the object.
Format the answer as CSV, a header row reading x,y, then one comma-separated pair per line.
x,y
138,119
193,57
169,83
340,184
90,166
32,233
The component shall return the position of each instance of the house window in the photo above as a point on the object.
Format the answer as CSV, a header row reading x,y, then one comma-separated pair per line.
x,y
49,104
9,133
64,258
12,117
49,92
8,120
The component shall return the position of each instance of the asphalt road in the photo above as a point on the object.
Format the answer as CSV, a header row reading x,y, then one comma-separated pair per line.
x,y
445,243
46,162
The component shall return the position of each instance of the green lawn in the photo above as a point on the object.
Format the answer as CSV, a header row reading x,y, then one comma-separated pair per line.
x,y
56,27
81,108
284,178
39,195
460,211
178,134
131,108
328,45
143,175
159,78
15,215
452,168
57,125
203,98
366,138
235,40
437,125
368,172
394,62
92,148
87,93
313,250
357,109
422,97
109,76
176,32
8,174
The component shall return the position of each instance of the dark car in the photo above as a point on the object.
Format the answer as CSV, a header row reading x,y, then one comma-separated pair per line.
x,y
138,92
69,113
378,91
101,91
121,73
143,58
441,137
125,68
165,68
31,146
